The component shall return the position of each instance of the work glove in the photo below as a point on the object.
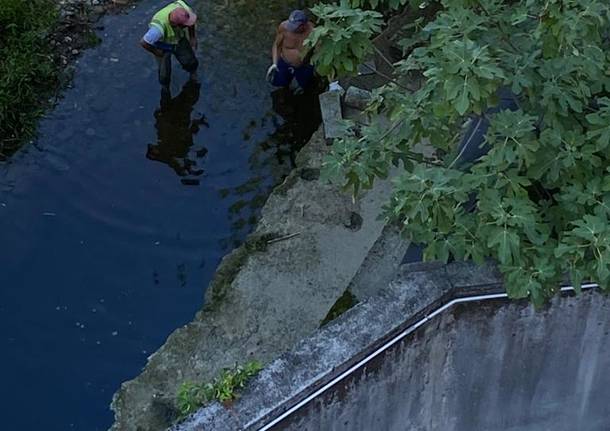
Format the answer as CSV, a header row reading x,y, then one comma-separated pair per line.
x,y
271,73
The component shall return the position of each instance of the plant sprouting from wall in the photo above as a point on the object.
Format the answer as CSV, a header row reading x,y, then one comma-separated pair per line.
x,y
192,396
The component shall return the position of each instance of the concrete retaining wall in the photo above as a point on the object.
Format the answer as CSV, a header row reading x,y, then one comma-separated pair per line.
x,y
267,294
486,365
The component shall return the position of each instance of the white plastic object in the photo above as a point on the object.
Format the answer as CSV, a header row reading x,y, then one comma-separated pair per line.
x,y
334,86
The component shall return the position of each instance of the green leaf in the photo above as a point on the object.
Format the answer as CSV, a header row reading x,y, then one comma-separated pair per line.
x,y
462,103
343,38
538,199
576,278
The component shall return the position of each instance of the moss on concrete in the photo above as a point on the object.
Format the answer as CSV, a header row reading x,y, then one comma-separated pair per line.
x,y
344,303
231,265
287,184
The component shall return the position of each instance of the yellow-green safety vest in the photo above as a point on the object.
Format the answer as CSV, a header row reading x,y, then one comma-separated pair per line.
x,y
160,20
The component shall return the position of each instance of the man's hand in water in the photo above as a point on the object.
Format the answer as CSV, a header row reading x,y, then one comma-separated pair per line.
x,y
271,72
193,38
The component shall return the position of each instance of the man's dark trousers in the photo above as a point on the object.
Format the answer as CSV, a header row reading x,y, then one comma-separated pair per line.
x,y
185,56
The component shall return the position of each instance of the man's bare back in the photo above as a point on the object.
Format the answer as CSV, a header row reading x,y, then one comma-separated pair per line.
x,y
290,44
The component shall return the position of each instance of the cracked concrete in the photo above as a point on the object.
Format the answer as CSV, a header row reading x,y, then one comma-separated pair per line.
x,y
269,296
548,367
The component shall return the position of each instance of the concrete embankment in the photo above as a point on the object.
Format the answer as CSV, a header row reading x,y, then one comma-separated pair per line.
x,y
312,246
266,295
441,348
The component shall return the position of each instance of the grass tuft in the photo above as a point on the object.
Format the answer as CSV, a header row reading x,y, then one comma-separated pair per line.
x,y
28,73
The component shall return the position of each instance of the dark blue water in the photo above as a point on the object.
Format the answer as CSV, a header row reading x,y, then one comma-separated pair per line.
x,y
113,222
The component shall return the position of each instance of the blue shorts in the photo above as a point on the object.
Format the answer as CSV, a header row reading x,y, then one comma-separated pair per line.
x,y
285,73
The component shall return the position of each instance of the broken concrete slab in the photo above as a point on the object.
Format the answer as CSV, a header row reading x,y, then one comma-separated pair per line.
x,y
367,67
381,264
357,98
265,296
330,105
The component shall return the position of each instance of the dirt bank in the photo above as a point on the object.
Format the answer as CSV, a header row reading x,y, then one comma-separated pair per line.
x,y
40,45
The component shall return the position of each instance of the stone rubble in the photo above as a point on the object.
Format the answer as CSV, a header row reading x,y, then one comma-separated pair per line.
x,y
75,30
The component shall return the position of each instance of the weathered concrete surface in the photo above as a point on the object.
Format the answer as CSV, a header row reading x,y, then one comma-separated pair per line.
x,y
315,360
255,307
494,365
357,98
330,105
381,264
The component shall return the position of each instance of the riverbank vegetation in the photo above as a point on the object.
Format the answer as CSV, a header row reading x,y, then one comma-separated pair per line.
x,y
27,70
536,198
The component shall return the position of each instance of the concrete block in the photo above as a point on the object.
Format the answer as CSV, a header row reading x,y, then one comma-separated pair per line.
x,y
330,105
367,68
358,98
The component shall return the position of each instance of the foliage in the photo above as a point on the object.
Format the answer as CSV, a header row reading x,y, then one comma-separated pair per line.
x,y
27,69
375,4
191,396
343,39
538,200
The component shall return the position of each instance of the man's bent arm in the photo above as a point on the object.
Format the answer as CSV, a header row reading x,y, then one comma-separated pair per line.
x,y
148,47
276,45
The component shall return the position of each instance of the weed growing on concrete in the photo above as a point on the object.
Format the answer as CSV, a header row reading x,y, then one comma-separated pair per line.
x,y
192,396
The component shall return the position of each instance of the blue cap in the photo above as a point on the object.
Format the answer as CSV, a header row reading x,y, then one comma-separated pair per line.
x,y
296,19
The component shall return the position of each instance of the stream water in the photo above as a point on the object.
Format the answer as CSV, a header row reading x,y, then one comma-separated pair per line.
x,y
113,222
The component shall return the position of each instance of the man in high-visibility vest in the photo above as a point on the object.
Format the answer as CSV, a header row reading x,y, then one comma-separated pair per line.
x,y
172,31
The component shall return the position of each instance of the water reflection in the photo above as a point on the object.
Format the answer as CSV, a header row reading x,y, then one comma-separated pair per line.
x,y
295,118
301,117
112,260
175,131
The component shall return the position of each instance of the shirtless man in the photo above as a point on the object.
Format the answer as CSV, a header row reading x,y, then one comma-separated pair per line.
x,y
289,57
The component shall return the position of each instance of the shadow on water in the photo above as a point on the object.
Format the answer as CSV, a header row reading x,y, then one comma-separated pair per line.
x,y
301,117
175,131
295,119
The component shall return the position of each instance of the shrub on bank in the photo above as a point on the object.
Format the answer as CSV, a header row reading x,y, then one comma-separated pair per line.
x,y
512,102
27,69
